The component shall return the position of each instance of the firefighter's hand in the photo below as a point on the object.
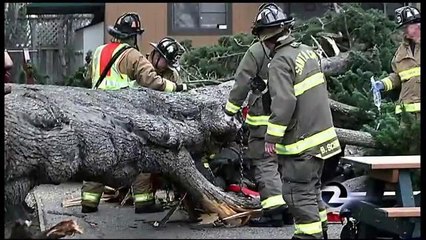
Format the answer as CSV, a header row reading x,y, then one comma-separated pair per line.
x,y
378,85
181,87
270,148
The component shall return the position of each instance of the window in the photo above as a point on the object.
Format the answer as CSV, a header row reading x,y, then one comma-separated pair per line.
x,y
199,18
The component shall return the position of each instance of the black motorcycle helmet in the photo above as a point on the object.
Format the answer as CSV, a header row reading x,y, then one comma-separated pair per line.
x,y
170,49
407,15
126,26
269,16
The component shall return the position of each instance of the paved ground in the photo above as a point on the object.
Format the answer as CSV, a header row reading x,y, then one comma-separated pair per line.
x,y
121,222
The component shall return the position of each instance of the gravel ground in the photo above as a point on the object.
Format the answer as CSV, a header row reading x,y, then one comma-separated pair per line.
x,y
116,222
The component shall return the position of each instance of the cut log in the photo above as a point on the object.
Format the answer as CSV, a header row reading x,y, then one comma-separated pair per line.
x,y
346,116
55,133
358,138
335,65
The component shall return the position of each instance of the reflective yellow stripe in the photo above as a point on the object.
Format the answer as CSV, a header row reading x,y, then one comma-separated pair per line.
x,y
96,66
387,82
170,86
309,142
257,120
333,145
308,228
91,197
276,130
323,215
230,107
407,74
409,107
143,197
308,83
273,201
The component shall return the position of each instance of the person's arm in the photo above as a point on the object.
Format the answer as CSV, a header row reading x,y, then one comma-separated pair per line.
x,y
245,71
281,88
393,80
137,67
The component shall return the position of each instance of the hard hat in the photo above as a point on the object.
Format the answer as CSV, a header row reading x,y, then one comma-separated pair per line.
x,y
170,49
407,15
127,25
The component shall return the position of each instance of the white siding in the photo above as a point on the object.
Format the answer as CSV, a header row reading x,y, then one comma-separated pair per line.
x,y
93,37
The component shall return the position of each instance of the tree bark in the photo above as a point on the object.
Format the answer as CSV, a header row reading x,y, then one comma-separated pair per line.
x,y
55,133
335,65
357,138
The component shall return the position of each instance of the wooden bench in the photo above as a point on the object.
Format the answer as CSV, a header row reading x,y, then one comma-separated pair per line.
x,y
402,220
401,212
395,170
385,168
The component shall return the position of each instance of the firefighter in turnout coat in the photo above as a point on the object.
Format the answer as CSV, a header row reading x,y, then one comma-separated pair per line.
x,y
128,66
300,128
165,59
406,63
252,75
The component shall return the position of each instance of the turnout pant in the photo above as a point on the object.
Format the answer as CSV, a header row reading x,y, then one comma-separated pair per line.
x,y
301,178
143,191
266,174
91,193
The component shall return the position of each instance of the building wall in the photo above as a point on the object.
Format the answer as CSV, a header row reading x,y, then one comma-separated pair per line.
x,y
91,37
154,21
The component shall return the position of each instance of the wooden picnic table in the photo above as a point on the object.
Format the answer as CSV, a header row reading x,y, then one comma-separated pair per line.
x,y
403,219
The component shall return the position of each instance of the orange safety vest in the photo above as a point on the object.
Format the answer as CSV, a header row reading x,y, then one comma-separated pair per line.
x,y
114,80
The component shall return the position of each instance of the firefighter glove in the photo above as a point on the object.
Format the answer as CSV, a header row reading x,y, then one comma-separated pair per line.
x,y
181,87
378,85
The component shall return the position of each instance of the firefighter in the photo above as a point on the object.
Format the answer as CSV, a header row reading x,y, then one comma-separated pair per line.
x,y
252,75
406,63
165,59
300,128
129,65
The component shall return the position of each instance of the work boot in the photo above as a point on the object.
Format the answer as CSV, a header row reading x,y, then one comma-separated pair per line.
x,y
148,207
87,209
287,217
272,217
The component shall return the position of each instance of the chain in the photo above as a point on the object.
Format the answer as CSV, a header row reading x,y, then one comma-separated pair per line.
x,y
211,173
241,158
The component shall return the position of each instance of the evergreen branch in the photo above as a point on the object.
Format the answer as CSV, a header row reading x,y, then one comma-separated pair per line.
x,y
188,73
228,56
241,45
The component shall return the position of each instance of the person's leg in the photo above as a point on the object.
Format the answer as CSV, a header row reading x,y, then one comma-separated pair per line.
x,y
144,194
299,179
321,205
91,193
269,185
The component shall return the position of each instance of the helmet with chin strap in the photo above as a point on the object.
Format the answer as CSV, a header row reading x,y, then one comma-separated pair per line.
x,y
270,16
170,49
407,15
126,26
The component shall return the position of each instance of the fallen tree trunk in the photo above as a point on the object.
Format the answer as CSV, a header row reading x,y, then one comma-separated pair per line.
x,y
53,134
